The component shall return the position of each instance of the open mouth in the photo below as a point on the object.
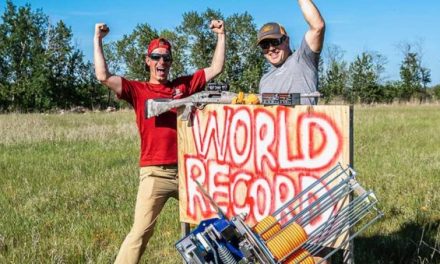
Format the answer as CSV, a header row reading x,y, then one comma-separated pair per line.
x,y
161,70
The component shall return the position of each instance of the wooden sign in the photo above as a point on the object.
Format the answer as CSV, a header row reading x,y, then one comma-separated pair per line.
x,y
253,159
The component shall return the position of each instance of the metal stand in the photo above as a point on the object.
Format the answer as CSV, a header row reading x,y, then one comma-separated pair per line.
x,y
184,229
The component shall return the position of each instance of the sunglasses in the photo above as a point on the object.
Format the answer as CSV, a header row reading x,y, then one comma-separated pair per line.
x,y
157,56
265,44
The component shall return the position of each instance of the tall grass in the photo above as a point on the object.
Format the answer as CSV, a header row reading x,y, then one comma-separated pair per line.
x,y
68,185
397,153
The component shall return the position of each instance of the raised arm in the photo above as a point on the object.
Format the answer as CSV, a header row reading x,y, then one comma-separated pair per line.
x,y
315,34
113,82
218,60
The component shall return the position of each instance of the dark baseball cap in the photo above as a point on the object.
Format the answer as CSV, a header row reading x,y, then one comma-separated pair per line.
x,y
271,30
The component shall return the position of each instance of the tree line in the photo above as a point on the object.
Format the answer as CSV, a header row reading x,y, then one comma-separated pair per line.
x,y
362,80
41,69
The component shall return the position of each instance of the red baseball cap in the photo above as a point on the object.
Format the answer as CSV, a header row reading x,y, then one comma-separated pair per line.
x,y
158,43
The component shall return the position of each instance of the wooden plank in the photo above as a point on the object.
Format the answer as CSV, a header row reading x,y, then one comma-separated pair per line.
x,y
252,159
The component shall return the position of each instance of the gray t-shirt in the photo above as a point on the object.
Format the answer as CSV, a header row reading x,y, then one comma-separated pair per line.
x,y
298,74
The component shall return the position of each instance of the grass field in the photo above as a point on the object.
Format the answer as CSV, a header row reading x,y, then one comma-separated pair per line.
x,y
68,185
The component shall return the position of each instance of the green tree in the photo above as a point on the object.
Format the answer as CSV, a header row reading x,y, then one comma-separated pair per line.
x,y
61,63
23,80
414,76
410,75
69,76
4,69
244,63
88,91
334,75
40,68
390,91
199,41
436,91
364,76
425,75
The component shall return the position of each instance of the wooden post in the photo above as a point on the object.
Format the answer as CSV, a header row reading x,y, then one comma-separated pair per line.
x,y
348,254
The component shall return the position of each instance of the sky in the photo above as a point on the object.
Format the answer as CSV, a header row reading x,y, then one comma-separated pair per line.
x,y
355,26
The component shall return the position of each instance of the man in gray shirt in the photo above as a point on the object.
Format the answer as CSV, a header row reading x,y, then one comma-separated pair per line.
x,y
293,72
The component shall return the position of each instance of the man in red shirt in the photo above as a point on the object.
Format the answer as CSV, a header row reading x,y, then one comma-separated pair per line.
x,y
158,158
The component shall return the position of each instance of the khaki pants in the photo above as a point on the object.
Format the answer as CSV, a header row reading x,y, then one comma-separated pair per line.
x,y
156,185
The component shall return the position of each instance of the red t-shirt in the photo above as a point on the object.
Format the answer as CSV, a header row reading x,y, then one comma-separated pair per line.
x,y
159,134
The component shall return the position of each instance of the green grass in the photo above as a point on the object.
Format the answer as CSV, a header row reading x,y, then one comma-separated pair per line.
x,y
397,154
68,185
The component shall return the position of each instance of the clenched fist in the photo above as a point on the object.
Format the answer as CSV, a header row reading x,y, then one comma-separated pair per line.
x,y
217,26
101,30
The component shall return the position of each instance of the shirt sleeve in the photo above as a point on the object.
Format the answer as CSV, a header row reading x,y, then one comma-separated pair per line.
x,y
308,55
127,91
193,83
